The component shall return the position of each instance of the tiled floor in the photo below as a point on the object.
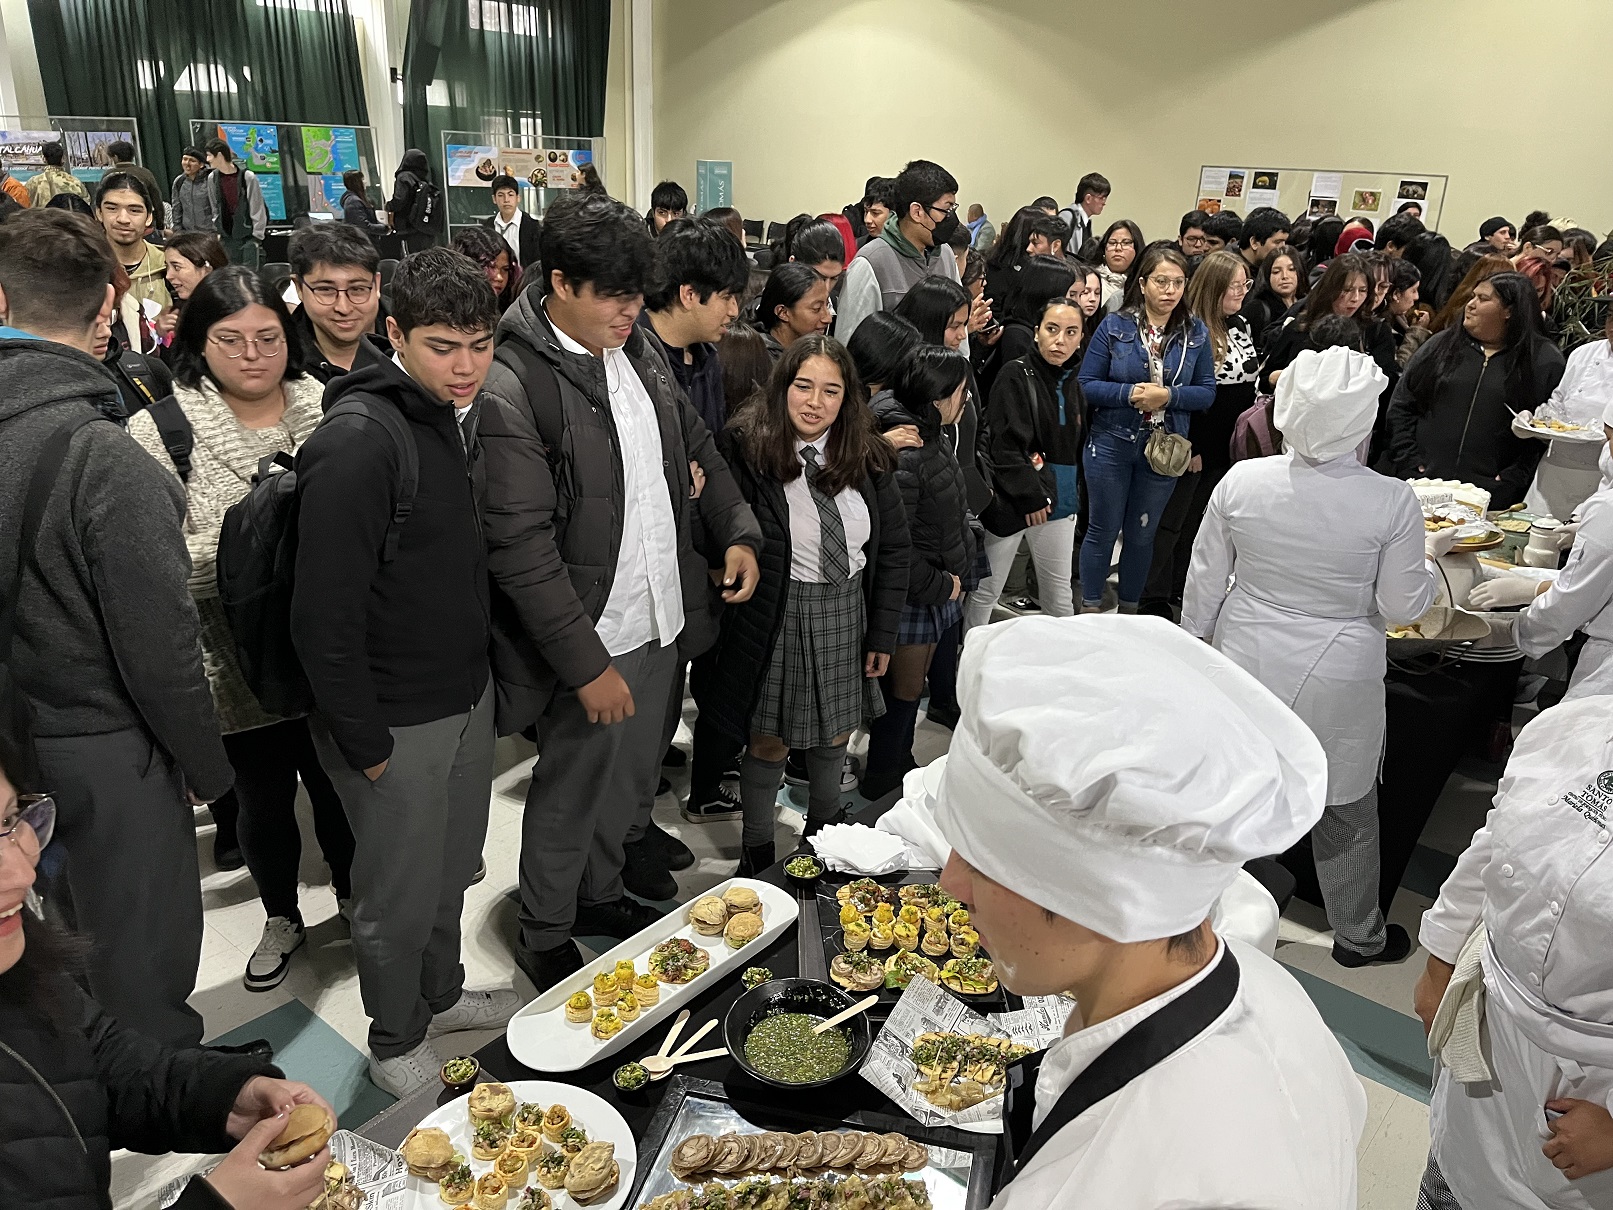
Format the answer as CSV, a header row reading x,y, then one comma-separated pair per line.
x,y
317,1022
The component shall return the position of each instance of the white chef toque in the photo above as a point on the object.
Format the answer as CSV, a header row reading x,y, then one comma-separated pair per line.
x,y
1327,402
1119,772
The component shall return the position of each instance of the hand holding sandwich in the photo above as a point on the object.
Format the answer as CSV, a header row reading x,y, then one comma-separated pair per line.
x,y
284,1128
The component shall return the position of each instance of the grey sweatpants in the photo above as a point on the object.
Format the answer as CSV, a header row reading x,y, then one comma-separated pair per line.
x,y
1345,845
590,784
418,834
127,877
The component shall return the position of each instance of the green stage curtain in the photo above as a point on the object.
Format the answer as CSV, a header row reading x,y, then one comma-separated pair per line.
x,y
512,60
164,62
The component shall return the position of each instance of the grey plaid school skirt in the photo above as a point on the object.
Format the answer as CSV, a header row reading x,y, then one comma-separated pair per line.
x,y
815,689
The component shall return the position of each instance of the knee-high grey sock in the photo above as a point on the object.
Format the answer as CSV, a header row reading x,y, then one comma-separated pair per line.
x,y
759,781
823,780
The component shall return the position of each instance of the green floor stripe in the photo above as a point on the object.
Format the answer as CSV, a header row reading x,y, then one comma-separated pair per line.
x,y
307,1049
1383,1045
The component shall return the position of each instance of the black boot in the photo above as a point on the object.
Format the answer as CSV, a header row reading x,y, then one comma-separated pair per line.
x,y
890,748
755,858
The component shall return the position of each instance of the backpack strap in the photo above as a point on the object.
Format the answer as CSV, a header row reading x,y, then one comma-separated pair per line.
x,y
46,470
390,419
173,426
542,388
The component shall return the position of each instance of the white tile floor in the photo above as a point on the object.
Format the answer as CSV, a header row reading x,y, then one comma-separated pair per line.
x,y
1393,1147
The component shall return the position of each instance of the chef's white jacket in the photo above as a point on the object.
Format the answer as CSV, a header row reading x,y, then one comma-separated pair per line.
x,y
1320,555
1261,1110
1540,875
1581,598
1568,473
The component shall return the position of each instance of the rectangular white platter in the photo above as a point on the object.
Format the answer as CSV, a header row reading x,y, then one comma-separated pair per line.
x,y
541,1037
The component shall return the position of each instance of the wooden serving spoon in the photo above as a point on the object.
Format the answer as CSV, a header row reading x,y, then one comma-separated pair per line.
x,y
658,1066
840,1018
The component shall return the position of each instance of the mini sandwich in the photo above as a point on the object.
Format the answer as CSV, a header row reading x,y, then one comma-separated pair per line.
x,y
709,915
308,1128
429,1154
742,899
743,928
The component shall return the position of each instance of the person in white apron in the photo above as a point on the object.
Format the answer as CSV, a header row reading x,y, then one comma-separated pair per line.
x,y
1568,474
1580,598
1108,778
1530,1128
1320,552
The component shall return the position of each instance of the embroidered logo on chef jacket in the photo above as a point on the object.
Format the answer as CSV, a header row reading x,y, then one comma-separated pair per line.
x,y
1595,801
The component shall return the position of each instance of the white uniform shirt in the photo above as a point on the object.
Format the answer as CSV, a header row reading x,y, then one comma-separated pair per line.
x,y
1540,873
511,234
1261,1110
1581,598
1322,555
1569,472
646,597
806,534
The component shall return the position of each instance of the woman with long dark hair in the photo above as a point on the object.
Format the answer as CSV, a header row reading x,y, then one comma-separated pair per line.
x,y
796,666
1453,310
815,242
489,250
1344,289
189,256
1281,281
1006,257
928,392
1149,367
244,393
1040,278
1120,247
794,304
1451,415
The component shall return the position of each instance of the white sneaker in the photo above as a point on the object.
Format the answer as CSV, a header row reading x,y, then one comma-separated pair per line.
x,y
848,775
476,1010
406,1074
270,961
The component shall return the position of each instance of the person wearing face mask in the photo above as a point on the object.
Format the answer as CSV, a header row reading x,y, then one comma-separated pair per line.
x,y
1309,622
1149,367
914,243
1109,777
798,665
1035,419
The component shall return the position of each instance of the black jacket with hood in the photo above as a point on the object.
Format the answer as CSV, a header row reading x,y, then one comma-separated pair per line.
x,y
1036,412
934,493
413,171
401,642
556,498
1460,427
107,635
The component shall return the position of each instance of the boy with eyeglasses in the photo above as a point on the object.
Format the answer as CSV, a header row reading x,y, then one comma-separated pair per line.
x,y
336,271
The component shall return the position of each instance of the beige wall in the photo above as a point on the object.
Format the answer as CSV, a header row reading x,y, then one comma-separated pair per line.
x,y
1020,97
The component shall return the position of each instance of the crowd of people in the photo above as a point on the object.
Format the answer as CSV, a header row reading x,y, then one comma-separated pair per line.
x,y
859,428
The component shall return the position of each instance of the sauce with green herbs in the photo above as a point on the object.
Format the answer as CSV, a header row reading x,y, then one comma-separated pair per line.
x,y
785,1048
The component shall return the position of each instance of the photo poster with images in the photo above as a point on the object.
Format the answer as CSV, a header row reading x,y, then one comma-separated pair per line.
x,y
1302,192
534,167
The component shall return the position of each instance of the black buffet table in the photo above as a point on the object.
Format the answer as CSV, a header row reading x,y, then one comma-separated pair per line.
x,y
837,1102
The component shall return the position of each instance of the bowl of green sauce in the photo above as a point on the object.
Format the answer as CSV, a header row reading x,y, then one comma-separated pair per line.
x,y
769,1032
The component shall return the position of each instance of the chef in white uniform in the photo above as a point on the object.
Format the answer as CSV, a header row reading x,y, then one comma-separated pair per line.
x,y
1539,877
1106,781
1299,562
1568,474
1580,598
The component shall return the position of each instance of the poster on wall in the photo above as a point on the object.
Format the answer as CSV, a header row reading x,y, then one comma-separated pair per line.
x,y
1416,191
325,195
471,164
1235,179
544,167
25,148
329,150
1322,207
256,145
1327,184
274,195
1209,205
1369,201
1212,182
86,149
1263,188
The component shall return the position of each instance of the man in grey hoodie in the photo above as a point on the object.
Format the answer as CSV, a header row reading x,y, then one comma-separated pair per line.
x,y
107,647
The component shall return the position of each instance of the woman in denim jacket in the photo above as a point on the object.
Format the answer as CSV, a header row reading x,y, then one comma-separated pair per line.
x,y
1148,366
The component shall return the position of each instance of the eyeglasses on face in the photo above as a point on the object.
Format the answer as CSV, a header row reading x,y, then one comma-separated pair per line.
x,y
1120,242
234,346
327,294
1168,283
29,823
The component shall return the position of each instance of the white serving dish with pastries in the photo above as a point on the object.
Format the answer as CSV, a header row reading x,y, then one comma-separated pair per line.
x,y
542,1037
591,1113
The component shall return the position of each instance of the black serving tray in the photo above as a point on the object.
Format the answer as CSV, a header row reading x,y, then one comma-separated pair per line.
x,y
963,1183
829,925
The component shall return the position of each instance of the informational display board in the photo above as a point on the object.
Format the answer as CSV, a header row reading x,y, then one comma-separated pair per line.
x,y
541,165
1298,192
22,143
300,167
714,184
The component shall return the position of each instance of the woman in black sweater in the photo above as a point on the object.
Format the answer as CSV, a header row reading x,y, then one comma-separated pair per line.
x,y
796,666
929,392
1451,415
1345,288
1281,281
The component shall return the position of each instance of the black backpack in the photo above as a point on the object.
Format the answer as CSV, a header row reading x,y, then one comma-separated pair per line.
x,y
425,211
18,756
257,559
178,438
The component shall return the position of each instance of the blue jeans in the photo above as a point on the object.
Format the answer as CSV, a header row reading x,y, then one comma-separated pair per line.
x,y
1125,499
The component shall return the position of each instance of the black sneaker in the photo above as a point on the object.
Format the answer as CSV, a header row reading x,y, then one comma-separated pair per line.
x,y
672,851
258,1048
227,853
645,873
620,918
814,826
724,804
675,758
943,714
1396,946
795,770
547,967
1024,605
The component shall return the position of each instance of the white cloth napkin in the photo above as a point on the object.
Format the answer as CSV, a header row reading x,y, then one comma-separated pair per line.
x,y
913,820
855,847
